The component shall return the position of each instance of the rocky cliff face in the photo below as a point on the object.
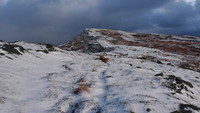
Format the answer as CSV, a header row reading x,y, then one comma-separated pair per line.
x,y
102,71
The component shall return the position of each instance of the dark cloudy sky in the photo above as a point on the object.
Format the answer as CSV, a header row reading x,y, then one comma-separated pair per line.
x,y
56,21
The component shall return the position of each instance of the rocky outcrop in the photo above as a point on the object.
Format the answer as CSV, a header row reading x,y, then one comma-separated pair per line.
x,y
85,43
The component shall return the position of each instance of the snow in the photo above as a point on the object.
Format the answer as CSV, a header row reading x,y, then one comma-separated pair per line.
x,y
31,46
22,81
36,82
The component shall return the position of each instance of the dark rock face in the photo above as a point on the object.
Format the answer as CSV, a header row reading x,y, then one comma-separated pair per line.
x,y
95,48
86,44
177,84
12,49
50,47
183,108
160,74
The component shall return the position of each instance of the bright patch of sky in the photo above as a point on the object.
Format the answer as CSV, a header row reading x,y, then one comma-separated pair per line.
x,y
190,2
3,2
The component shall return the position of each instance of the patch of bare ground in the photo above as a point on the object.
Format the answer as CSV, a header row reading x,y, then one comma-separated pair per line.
x,y
118,39
155,41
72,45
185,46
191,63
152,58
76,44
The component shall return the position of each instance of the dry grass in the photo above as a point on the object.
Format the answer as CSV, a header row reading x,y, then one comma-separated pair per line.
x,y
103,59
110,33
81,88
164,43
155,41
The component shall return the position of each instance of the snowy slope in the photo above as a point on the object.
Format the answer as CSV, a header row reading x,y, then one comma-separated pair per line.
x,y
112,78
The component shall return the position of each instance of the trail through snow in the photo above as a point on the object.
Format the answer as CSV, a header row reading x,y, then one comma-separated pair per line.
x,y
73,82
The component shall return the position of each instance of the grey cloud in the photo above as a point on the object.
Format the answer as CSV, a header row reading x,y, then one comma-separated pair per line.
x,y
56,21
178,18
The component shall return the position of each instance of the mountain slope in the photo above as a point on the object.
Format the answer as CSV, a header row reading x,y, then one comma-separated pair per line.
x,y
102,40
109,77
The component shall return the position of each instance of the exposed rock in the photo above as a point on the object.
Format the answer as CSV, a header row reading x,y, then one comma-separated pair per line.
x,y
177,84
185,108
13,49
85,43
2,100
159,74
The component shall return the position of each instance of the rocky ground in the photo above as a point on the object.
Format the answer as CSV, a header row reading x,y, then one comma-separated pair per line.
x,y
102,71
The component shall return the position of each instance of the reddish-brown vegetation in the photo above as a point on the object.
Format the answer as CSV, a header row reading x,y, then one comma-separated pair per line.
x,y
155,41
184,45
103,59
82,87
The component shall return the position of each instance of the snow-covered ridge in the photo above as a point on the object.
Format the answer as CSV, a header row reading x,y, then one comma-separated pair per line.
x,y
102,40
183,44
105,73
